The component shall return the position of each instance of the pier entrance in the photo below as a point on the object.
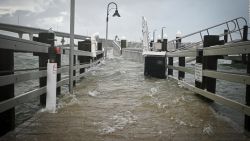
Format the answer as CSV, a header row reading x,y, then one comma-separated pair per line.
x,y
115,101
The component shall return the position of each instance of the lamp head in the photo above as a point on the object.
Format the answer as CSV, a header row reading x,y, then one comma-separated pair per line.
x,y
116,14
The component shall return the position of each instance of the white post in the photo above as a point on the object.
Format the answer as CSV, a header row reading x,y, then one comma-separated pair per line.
x,y
51,87
31,36
71,57
94,39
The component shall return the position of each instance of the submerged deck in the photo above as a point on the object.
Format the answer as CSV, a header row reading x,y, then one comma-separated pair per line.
x,y
116,102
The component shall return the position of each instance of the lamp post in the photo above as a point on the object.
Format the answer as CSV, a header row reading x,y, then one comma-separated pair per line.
x,y
114,15
162,33
154,35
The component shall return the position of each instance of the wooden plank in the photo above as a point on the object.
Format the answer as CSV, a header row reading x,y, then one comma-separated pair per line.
x,y
16,44
179,68
234,48
16,78
32,30
63,69
99,52
225,101
238,78
83,53
62,82
183,53
10,103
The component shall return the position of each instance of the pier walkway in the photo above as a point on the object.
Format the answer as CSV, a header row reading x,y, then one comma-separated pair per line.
x,y
116,102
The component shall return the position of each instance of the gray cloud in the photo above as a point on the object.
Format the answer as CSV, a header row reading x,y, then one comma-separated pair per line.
x,y
184,15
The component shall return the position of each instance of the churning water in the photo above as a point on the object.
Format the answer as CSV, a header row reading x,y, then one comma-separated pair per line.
x,y
116,78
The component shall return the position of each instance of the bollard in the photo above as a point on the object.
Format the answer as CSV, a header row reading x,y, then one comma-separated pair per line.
x,y
51,82
210,62
247,118
84,46
7,118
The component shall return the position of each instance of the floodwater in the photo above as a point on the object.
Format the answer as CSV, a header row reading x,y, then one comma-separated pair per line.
x,y
116,102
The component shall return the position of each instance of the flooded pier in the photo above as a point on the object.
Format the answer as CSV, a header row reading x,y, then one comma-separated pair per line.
x,y
115,101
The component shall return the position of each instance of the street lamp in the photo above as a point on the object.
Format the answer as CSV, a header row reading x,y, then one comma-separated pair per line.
x,y
162,33
116,14
154,35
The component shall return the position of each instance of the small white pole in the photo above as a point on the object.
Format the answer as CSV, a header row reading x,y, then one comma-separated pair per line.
x,y
51,87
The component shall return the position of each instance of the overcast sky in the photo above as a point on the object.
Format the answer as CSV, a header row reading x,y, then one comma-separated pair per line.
x,y
184,15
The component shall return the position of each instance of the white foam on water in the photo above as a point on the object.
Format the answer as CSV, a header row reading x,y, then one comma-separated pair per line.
x,y
93,93
66,100
178,100
153,90
180,85
46,110
116,122
208,130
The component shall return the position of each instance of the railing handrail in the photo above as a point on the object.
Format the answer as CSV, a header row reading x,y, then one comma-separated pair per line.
x,y
206,29
200,88
32,30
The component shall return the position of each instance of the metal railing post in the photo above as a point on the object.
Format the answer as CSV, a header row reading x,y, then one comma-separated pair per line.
x,y
71,57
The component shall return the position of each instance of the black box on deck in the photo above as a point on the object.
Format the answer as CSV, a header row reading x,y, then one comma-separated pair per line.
x,y
155,66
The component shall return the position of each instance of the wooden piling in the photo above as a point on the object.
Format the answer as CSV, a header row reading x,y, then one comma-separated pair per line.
x,y
123,44
170,63
47,38
7,118
74,71
210,62
58,78
199,60
99,48
225,36
84,46
164,45
181,74
247,118
244,38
